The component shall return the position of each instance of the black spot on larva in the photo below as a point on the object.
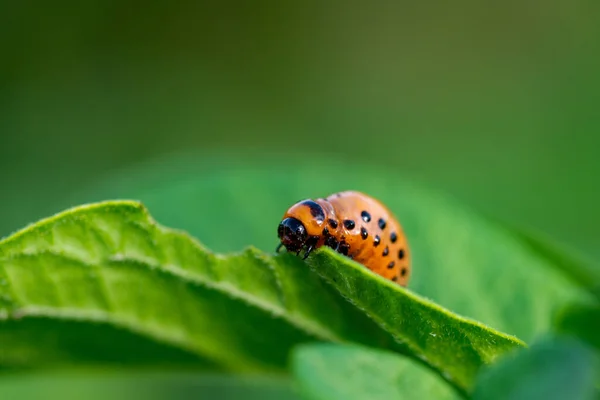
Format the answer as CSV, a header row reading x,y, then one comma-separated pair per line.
x,y
403,272
401,254
395,278
376,241
393,237
349,224
315,210
332,223
325,231
365,216
363,233
331,242
312,241
344,247
381,223
391,264
386,251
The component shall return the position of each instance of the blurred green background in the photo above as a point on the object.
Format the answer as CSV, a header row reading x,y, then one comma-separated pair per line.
x,y
494,103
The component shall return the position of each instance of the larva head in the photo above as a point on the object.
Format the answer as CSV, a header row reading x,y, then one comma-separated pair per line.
x,y
304,220
292,234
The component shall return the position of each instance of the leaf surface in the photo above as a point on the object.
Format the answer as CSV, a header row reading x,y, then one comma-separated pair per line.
x,y
424,327
553,369
468,264
581,321
92,384
332,372
111,264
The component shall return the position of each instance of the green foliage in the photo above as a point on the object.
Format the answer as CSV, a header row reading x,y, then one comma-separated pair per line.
x,y
96,384
463,262
552,369
110,263
334,372
581,321
455,346
103,285
578,268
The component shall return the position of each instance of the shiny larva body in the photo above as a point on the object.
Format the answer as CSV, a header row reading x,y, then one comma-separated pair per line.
x,y
353,224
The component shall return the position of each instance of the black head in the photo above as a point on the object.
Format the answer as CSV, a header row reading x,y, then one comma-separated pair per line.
x,y
292,234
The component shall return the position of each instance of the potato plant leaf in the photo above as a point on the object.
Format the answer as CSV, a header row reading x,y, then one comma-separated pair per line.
x,y
348,372
580,269
110,264
581,321
93,384
468,264
554,368
473,344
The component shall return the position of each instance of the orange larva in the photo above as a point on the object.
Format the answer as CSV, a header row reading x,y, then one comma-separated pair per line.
x,y
353,224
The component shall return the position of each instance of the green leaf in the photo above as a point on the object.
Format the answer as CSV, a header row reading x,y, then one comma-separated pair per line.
x,y
584,272
582,321
150,385
556,368
454,345
111,264
331,372
464,262
52,340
